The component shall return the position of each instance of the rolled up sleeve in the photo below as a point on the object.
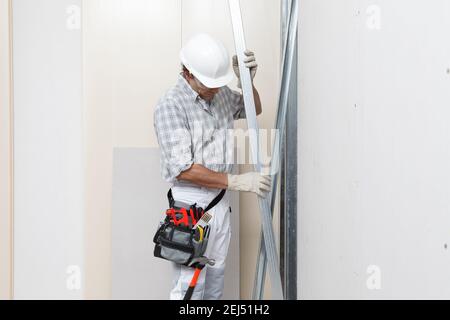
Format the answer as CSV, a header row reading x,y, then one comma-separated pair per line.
x,y
174,140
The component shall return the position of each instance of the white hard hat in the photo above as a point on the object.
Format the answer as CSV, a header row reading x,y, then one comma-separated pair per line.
x,y
208,60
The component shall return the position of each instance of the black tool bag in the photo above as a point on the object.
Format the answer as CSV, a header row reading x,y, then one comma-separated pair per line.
x,y
176,238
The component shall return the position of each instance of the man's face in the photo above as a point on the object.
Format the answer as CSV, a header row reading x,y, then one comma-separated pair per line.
x,y
204,92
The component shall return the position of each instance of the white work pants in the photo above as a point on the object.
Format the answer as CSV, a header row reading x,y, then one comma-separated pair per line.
x,y
211,280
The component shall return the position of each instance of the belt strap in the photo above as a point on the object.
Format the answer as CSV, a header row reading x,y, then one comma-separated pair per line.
x,y
212,204
216,200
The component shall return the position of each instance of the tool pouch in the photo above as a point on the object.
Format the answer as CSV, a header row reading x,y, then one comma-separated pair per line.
x,y
176,239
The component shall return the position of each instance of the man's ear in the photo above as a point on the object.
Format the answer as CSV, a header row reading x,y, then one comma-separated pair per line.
x,y
187,74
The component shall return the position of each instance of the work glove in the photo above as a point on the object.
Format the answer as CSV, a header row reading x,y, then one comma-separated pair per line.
x,y
250,62
251,182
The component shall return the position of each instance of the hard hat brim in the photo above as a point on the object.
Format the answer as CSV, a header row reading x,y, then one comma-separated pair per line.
x,y
215,83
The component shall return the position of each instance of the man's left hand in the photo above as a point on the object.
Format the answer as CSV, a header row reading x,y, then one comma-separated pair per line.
x,y
250,62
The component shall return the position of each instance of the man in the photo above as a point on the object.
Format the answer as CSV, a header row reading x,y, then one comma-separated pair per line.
x,y
187,120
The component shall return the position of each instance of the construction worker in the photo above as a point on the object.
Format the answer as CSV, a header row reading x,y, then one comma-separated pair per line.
x,y
201,102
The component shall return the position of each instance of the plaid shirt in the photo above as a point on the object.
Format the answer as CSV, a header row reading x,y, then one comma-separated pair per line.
x,y
189,130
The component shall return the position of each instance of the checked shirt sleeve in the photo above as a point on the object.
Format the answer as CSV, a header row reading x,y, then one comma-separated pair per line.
x,y
236,101
174,139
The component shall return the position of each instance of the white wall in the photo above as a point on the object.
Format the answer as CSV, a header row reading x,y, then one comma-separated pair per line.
x,y
48,157
5,155
130,57
374,140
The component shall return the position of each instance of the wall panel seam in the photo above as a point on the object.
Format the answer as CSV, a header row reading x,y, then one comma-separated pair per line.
x,y
11,150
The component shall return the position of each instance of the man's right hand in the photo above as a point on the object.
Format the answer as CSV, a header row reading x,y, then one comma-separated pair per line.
x,y
251,182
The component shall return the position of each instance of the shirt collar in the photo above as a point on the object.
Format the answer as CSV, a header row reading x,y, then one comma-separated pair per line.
x,y
184,85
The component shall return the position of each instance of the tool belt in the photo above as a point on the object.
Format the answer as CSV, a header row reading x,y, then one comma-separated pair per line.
x,y
178,239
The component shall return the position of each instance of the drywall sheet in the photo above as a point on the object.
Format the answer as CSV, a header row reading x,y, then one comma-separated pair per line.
x,y
48,150
374,175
